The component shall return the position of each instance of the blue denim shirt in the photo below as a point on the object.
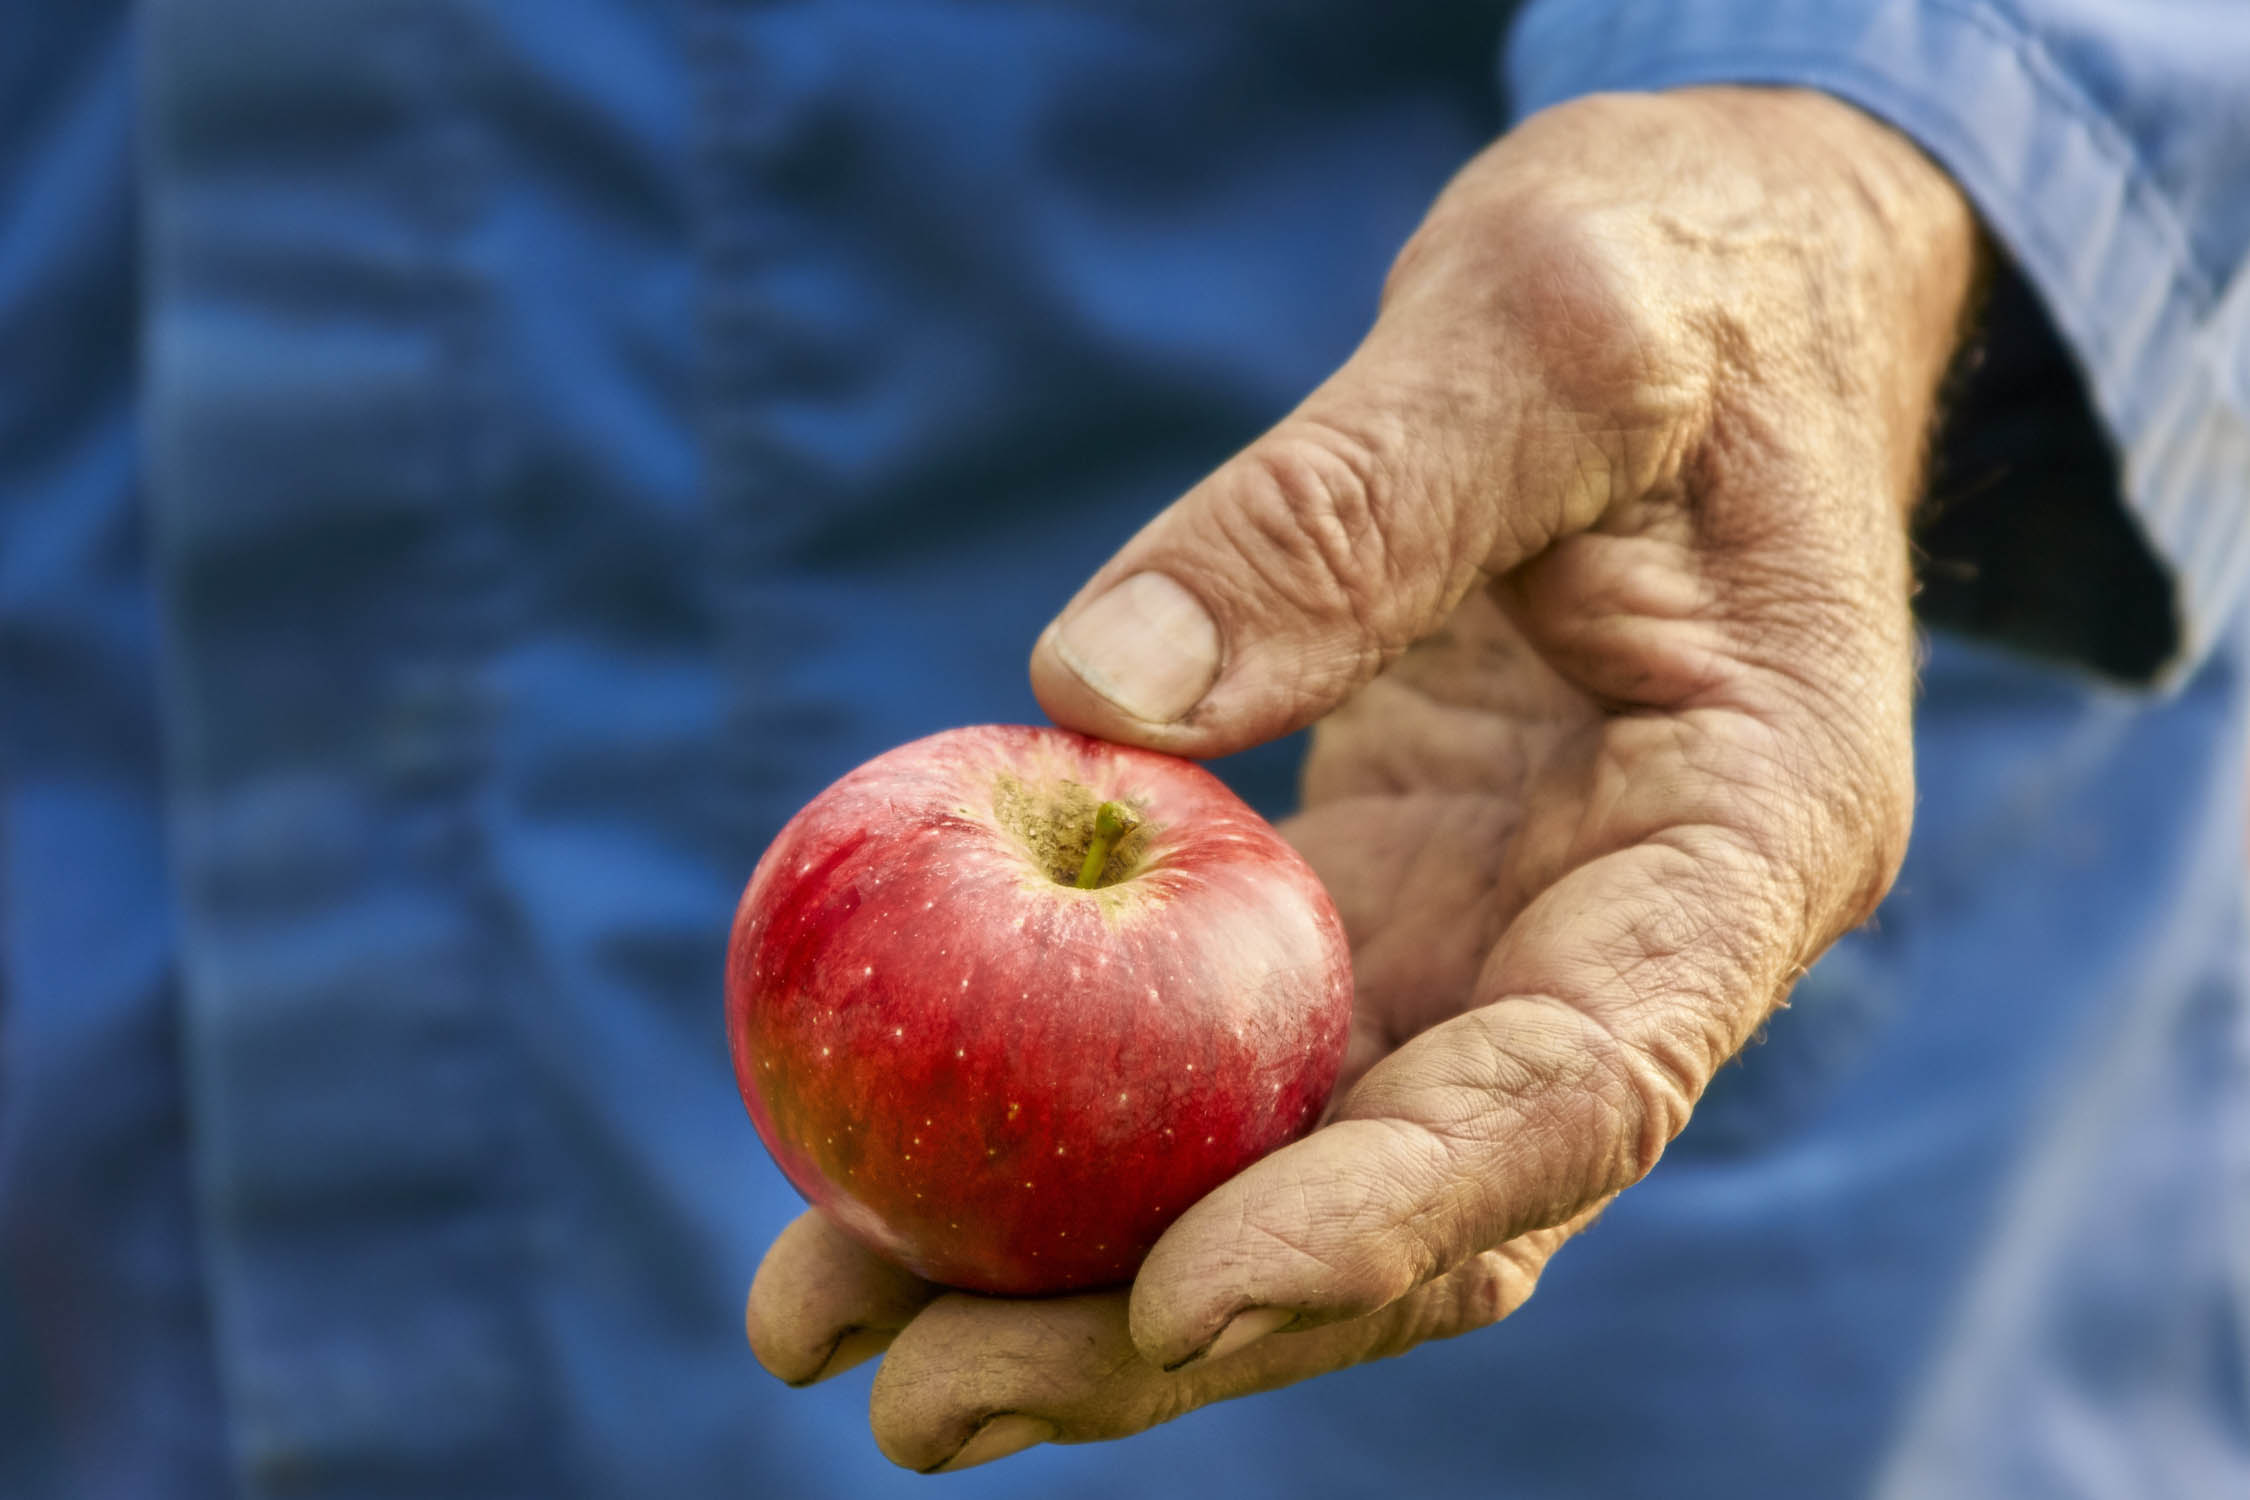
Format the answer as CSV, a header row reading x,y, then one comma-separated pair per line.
x,y
468,472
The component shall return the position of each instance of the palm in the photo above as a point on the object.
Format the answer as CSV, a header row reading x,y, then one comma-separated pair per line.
x,y
1438,802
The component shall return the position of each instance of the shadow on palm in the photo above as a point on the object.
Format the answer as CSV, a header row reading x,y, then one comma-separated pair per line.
x,y
1424,799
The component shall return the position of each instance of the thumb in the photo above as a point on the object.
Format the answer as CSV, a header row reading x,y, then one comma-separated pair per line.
x,y
1278,585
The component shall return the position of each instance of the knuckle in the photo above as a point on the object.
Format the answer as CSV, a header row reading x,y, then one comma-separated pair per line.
x,y
1645,1093
1885,824
1584,294
1487,1288
1612,384
1318,508
1839,815
1864,808
1654,1101
1478,1293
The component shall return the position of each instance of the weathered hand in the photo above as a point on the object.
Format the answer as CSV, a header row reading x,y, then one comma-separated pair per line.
x,y
1591,564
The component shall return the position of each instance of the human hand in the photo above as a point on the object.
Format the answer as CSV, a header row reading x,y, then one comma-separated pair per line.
x,y
1591,565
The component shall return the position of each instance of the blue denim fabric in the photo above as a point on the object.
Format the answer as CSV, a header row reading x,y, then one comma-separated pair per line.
x,y
468,472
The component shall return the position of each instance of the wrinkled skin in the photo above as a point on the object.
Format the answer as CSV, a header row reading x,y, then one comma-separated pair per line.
x,y
1591,564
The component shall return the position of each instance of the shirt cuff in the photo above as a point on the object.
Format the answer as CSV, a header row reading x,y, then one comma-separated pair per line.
x,y
2056,182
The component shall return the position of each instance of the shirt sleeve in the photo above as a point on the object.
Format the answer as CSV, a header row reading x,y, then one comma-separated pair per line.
x,y
2107,148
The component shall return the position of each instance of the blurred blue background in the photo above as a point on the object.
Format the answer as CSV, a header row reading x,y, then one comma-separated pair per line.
x,y
469,472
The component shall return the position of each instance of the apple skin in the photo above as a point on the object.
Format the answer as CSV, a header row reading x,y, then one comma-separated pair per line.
x,y
1003,1082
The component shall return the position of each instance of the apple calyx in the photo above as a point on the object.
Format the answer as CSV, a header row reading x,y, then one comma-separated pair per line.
x,y
1112,821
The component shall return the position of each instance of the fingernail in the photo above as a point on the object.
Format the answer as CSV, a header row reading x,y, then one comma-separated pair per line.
x,y
1243,1329
1148,646
1010,1432
855,1347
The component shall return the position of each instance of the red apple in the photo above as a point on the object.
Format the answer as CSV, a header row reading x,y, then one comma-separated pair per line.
x,y
1005,1001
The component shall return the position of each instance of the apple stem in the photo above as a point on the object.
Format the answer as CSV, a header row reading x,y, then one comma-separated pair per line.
x,y
1112,821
